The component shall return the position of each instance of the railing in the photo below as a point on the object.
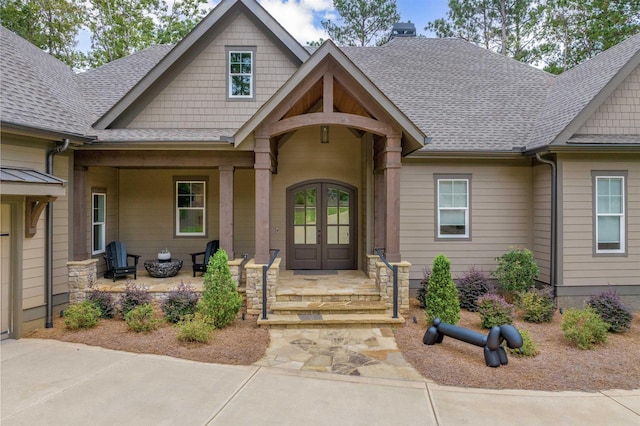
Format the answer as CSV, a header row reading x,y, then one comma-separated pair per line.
x,y
265,268
394,268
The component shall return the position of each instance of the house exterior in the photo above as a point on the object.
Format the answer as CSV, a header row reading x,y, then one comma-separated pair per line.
x,y
239,133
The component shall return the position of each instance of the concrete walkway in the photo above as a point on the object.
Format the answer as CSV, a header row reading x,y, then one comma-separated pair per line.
x,y
47,382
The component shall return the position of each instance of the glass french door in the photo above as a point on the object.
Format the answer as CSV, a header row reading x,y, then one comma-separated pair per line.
x,y
321,226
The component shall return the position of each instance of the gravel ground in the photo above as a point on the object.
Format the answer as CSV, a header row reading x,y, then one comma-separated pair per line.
x,y
558,367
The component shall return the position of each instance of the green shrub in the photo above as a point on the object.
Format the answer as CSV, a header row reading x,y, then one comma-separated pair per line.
x,y
104,301
494,310
142,318
424,286
441,300
472,285
610,308
220,300
584,328
179,302
516,270
536,305
529,347
195,328
81,315
133,296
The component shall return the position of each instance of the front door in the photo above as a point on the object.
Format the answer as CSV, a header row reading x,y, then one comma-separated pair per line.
x,y
321,228
5,271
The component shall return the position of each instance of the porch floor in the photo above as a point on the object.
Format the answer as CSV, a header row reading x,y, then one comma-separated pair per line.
x,y
154,285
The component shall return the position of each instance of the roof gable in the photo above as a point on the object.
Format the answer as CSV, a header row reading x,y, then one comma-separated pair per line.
x,y
578,92
329,55
194,42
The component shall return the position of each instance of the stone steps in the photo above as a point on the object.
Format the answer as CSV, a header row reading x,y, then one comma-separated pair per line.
x,y
340,307
350,320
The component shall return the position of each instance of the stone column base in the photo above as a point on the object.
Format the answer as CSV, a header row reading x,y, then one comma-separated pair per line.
x,y
82,277
254,286
384,281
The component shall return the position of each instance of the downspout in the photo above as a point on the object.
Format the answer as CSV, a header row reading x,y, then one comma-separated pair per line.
x,y
554,222
48,258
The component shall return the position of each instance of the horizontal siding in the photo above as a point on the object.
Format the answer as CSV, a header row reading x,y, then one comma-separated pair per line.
x,y
542,220
146,213
103,178
61,243
579,265
620,113
500,214
197,97
338,160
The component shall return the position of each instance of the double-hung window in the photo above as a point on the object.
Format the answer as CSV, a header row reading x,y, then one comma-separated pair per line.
x,y
609,212
190,207
241,73
98,221
452,207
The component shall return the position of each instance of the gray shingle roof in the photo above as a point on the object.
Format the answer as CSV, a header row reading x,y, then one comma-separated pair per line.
x,y
575,89
37,89
104,86
163,135
462,96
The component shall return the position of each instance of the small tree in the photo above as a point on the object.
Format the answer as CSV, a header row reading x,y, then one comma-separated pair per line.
x,y
441,300
220,300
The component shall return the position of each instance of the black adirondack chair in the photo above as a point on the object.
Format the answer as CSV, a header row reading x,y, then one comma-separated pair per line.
x,y
117,261
212,248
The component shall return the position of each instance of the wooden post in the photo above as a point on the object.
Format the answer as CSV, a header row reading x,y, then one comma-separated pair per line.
x,y
392,164
226,210
263,198
80,214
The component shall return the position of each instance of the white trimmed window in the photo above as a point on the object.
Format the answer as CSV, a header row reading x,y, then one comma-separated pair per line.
x,y
190,208
609,214
453,208
240,74
98,221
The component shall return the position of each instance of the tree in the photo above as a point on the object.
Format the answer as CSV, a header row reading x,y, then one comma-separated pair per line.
x,y
176,22
362,22
51,25
508,27
441,300
576,30
120,27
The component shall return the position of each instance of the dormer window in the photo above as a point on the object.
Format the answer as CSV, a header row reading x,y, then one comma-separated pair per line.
x,y
241,73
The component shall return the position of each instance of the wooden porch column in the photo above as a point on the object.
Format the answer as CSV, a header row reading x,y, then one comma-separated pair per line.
x,y
226,209
263,198
379,209
80,251
392,164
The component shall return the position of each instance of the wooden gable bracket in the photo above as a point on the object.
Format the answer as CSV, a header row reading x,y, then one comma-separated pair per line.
x,y
34,208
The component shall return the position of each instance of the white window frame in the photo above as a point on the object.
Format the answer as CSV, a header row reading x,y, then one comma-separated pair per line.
x,y
203,208
230,75
466,210
101,224
597,214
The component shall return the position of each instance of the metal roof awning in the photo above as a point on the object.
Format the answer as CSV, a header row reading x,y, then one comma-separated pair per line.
x,y
30,182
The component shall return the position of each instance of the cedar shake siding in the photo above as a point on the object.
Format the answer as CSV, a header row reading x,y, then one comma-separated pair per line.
x,y
197,97
620,113
500,213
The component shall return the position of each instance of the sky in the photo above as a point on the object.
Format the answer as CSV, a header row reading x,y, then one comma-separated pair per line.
x,y
302,18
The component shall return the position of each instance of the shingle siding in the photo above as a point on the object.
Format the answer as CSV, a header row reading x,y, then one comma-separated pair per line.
x,y
620,113
197,98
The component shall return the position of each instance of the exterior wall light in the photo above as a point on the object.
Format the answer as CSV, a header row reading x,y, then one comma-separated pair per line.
x,y
324,134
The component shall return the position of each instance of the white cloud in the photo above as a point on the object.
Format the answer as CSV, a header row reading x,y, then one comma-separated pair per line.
x,y
299,17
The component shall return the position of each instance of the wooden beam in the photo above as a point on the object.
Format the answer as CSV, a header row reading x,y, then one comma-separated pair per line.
x,y
332,118
34,208
163,159
327,93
